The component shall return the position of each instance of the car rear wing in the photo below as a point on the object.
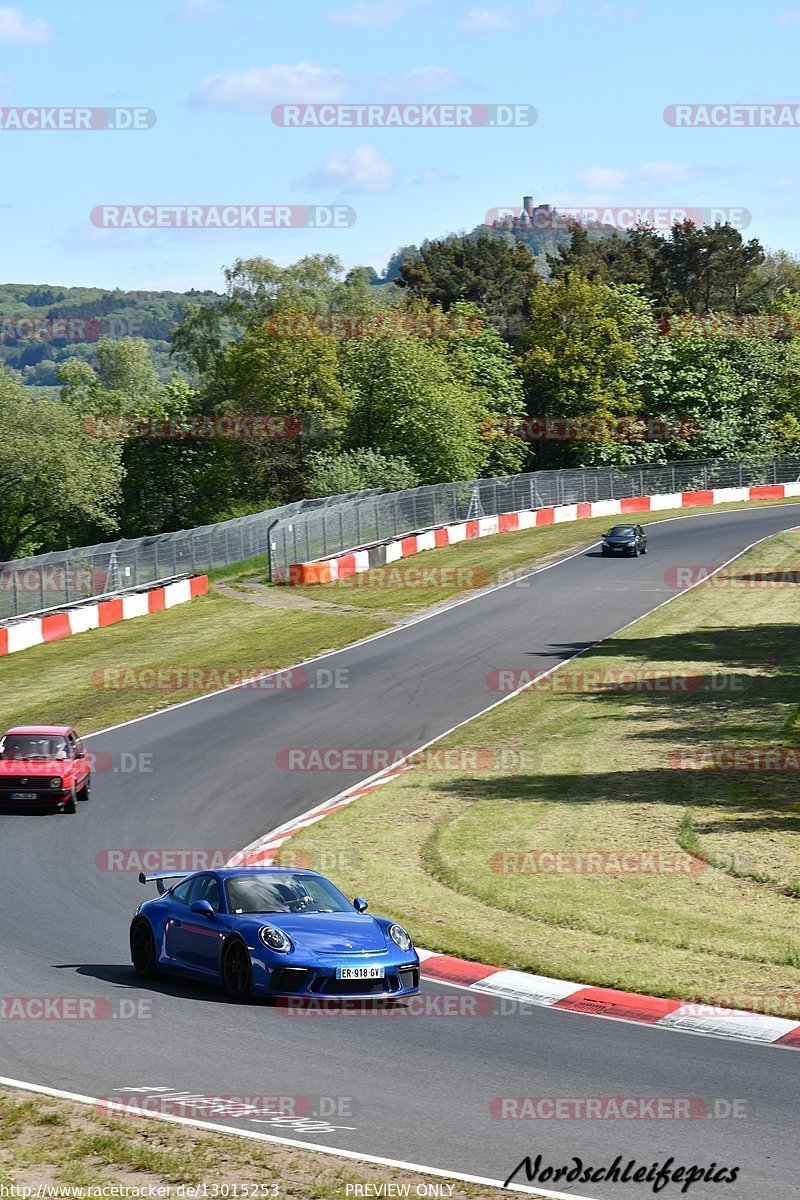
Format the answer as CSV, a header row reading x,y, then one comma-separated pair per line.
x,y
159,878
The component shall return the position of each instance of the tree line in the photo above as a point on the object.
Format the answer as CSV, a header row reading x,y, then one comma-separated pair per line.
x,y
473,359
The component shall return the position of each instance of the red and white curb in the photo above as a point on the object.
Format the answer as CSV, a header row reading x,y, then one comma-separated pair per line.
x,y
353,562
558,994
35,631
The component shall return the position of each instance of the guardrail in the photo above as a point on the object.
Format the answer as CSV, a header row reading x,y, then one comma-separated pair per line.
x,y
311,529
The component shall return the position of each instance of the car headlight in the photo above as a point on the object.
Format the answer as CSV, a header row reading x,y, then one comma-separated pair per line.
x,y
400,937
56,781
275,939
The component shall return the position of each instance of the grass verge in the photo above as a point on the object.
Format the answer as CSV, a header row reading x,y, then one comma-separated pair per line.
x,y
58,1143
86,680
595,762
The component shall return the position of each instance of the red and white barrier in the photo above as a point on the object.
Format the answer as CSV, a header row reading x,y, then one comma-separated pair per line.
x,y
35,631
526,988
340,566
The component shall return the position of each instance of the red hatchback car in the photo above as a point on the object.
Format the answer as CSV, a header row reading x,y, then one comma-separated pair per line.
x,y
44,764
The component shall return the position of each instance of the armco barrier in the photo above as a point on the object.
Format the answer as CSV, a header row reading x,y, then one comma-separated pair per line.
x,y
51,627
340,566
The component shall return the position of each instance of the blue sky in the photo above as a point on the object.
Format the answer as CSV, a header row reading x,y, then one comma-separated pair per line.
x,y
599,72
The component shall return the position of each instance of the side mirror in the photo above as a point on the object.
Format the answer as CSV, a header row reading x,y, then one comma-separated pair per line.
x,y
202,908
360,905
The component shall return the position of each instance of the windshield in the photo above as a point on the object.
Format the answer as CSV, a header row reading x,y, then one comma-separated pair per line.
x,y
622,531
289,893
33,745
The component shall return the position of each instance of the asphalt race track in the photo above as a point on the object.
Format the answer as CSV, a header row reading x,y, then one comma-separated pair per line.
x,y
416,1089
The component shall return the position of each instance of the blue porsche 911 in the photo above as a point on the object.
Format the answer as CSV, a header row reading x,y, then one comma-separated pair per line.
x,y
272,932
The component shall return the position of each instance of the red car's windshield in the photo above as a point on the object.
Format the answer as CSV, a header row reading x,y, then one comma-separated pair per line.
x,y
33,745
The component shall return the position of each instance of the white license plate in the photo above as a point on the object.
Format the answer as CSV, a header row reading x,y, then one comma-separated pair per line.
x,y
23,795
359,972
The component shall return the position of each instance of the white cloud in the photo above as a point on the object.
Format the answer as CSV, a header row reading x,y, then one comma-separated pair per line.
x,y
481,21
16,30
649,175
364,170
421,81
373,14
261,87
790,15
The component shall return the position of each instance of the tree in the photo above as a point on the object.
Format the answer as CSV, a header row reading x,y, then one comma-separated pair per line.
x,y
291,379
496,275
707,267
354,470
484,362
52,476
407,402
579,361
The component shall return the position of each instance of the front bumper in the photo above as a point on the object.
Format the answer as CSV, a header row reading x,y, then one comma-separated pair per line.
x,y
619,547
318,980
34,795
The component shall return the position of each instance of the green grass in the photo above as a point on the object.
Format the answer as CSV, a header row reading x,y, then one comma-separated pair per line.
x,y
587,771
46,1141
67,681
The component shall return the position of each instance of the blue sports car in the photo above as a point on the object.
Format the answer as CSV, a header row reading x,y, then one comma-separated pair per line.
x,y
273,932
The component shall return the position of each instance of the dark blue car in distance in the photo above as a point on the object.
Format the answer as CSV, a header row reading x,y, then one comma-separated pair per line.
x,y
625,539
273,932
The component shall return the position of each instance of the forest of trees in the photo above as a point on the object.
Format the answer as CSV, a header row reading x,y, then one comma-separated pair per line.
x,y
431,372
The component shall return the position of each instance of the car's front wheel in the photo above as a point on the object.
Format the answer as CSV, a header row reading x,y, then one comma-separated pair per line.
x,y
69,805
143,949
85,791
236,974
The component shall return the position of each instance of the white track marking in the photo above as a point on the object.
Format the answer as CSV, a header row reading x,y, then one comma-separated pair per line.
x,y
398,1164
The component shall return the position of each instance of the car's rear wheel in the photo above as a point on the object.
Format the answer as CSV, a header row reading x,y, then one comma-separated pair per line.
x,y
236,975
143,949
69,805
